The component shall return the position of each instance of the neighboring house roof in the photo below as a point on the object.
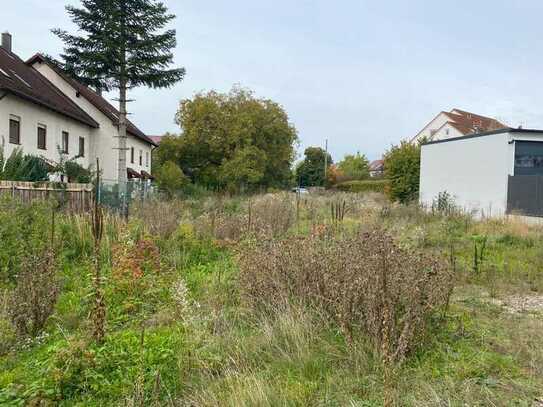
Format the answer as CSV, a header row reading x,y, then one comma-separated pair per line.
x,y
466,122
25,82
156,139
377,165
94,98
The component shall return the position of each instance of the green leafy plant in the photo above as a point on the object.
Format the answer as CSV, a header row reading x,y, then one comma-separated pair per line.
x,y
23,167
363,186
402,169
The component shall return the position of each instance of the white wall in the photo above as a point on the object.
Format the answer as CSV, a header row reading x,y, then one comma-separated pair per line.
x,y
436,123
104,140
30,116
473,170
447,131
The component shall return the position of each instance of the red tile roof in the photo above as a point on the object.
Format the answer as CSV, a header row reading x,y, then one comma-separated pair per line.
x,y
376,165
25,82
97,101
156,139
468,123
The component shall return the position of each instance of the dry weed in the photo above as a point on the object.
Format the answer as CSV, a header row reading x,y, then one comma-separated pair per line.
x,y
366,283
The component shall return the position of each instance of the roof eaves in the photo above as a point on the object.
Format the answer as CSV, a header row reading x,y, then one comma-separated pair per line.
x,y
487,133
90,122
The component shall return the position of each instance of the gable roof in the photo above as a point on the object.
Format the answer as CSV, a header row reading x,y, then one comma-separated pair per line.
x,y
25,82
94,98
468,123
465,122
156,139
376,165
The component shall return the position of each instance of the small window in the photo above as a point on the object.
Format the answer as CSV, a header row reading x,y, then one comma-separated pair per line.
x,y
131,155
14,130
81,146
147,158
141,158
42,137
65,140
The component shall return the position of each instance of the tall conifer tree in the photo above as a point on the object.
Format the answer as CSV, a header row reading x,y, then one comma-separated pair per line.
x,y
121,44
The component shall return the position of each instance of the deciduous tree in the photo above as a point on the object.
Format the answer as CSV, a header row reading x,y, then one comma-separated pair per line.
x,y
232,140
310,172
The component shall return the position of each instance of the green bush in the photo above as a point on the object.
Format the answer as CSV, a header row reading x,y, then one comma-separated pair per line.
x,y
24,229
402,168
363,186
21,167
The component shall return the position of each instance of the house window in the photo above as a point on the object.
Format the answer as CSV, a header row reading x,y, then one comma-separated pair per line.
x,y
131,155
81,147
141,158
42,137
65,139
14,130
147,158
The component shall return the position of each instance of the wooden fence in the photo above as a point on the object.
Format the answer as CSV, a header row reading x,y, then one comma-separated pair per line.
x,y
71,197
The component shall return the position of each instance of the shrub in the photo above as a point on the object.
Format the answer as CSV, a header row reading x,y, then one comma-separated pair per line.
x,y
362,186
21,167
365,283
35,296
24,229
170,178
402,168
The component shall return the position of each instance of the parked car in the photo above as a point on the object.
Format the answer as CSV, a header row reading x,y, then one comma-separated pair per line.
x,y
300,190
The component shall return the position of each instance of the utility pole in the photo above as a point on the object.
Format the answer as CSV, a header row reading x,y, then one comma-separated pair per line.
x,y
325,160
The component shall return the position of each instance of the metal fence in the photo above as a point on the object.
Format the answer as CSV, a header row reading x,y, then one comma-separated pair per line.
x,y
136,191
525,195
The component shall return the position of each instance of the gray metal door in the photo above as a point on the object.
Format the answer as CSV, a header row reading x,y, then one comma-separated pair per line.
x,y
525,195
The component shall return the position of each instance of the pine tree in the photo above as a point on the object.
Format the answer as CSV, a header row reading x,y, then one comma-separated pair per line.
x,y
124,44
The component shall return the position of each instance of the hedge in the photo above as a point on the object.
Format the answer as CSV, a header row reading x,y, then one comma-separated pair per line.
x,y
362,186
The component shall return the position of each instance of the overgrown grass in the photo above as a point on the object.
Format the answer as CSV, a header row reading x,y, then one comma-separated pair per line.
x,y
180,332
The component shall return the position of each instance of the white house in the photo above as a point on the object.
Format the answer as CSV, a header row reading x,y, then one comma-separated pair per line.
x,y
377,168
456,123
43,110
489,174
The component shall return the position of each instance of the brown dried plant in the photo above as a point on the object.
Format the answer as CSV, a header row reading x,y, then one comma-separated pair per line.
x,y
35,296
98,315
367,284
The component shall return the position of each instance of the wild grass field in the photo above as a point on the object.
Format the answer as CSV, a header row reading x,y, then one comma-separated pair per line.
x,y
271,300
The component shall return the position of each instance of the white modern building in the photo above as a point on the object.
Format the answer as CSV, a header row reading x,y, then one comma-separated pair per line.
x,y
48,114
488,174
456,123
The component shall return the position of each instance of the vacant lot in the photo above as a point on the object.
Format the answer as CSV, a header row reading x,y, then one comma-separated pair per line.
x,y
338,299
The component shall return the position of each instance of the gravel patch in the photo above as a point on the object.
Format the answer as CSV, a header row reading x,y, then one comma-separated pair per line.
x,y
517,304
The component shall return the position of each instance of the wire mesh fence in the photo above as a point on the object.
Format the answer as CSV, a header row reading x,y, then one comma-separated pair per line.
x,y
111,196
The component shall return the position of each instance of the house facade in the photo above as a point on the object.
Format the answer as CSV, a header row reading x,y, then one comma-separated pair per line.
x,y
456,123
490,174
377,168
48,114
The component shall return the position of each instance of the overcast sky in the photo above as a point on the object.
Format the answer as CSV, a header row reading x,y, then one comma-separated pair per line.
x,y
364,74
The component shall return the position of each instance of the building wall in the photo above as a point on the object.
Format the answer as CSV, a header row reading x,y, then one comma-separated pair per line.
x,y
428,131
473,170
446,132
104,140
30,116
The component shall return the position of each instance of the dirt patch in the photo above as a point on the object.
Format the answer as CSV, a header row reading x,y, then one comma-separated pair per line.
x,y
521,303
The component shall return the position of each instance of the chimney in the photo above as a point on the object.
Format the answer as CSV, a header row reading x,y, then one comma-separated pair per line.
x,y
6,41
